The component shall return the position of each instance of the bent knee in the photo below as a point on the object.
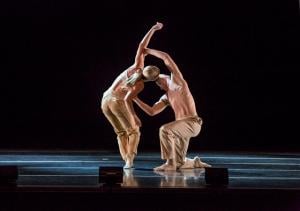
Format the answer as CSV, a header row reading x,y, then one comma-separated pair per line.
x,y
164,129
200,121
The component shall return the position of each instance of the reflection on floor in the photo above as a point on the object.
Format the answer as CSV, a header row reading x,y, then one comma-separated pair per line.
x,y
69,181
73,169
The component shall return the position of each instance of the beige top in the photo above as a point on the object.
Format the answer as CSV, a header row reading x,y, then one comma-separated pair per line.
x,y
119,89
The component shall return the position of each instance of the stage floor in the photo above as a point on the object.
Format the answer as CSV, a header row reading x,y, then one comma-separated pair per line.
x,y
68,180
80,169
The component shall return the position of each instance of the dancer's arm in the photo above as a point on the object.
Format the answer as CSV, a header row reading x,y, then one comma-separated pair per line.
x,y
140,57
151,111
169,62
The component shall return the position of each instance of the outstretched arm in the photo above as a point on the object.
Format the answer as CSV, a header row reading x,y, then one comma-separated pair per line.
x,y
155,109
139,58
169,62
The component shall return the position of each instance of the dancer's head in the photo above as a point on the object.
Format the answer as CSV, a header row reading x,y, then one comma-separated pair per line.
x,y
151,73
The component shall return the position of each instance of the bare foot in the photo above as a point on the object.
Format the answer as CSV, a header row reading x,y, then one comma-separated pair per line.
x,y
129,162
199,164
188,164
165,167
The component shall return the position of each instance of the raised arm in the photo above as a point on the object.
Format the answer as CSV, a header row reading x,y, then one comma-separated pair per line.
x,y
139,58
155,109
169,62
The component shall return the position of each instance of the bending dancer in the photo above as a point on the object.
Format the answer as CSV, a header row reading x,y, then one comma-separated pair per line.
x,y
117,102
174,136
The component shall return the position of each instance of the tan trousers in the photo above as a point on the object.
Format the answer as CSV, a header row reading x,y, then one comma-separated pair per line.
x,y
117,114
175,137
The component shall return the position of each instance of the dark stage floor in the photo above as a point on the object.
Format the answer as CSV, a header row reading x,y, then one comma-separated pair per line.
x,y
263,180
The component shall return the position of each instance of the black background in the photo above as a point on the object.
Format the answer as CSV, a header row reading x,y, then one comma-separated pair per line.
x,y
239,58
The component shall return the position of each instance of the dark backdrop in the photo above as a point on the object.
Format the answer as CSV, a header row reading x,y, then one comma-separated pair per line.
x,y
237,56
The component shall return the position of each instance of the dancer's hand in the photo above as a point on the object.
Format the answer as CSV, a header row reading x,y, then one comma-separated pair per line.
x,y
144,52
158,26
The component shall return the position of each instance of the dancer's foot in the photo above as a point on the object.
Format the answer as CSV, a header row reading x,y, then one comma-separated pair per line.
x,y
188,164
199,164
129,162
165,167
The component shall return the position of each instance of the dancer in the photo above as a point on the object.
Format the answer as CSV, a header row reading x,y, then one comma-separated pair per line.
x,y
117,102
174,136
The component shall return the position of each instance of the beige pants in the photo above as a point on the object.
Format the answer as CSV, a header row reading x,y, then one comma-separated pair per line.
x,y
117,114
175,137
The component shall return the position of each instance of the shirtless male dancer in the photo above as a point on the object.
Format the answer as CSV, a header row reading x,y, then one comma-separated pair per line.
x,y
174,136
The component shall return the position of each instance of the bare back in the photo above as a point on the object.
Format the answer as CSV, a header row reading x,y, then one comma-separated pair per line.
x,y
181,99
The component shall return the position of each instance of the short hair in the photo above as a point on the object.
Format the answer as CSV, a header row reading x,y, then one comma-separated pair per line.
x,y
151,73
131,81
